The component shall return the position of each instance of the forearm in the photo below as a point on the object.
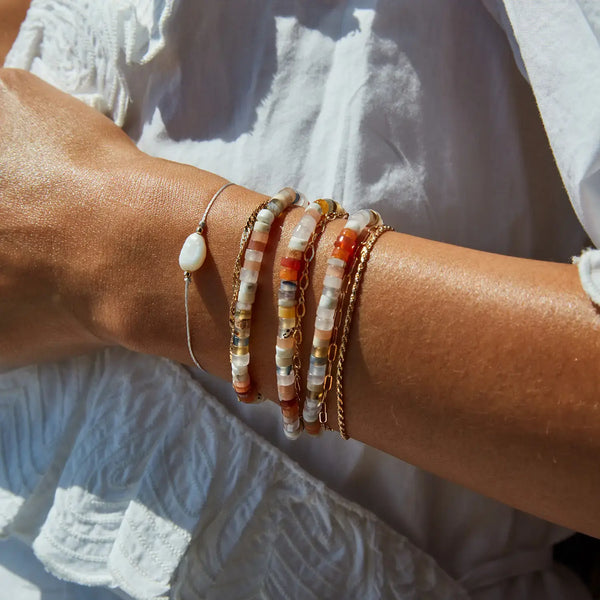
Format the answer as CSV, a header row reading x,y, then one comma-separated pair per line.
x,y
478,367
12,13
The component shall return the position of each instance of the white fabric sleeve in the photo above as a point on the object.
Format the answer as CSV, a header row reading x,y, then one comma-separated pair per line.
x,y
557,48
559,43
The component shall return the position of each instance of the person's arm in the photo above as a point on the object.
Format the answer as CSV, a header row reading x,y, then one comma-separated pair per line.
x,y
12,13
480,368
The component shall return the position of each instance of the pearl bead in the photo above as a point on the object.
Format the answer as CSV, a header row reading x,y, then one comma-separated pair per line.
x,y
193,252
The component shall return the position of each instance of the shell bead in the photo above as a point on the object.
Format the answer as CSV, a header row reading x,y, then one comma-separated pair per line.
x,y
193,252
266,216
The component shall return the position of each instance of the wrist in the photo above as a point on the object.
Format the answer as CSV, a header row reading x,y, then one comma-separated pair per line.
x,y
155,204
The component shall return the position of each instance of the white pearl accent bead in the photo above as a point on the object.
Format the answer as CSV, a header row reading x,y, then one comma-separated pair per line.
x,y
193,252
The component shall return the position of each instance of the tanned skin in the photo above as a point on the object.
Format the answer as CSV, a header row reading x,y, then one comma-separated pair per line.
x,y
478,367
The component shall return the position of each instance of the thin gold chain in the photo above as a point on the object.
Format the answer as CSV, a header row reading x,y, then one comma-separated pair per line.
x,y
303,282
365,251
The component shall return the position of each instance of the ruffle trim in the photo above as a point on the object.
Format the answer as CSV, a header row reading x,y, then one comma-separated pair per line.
x,y
125,473
588,265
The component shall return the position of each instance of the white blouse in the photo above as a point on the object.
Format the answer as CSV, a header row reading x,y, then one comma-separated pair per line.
x,y
130,472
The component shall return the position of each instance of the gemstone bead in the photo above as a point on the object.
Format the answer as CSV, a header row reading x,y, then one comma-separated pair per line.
x,y
293,435
346,240
288,274
359,220
325,313
249,275
288,403
286,312
286,379
291,263
332,271
316,380
254,255
285,342
291,427
266,216
286,392
261,227
332,282
255,245
291,413
312,428
298,244
240,360
341,254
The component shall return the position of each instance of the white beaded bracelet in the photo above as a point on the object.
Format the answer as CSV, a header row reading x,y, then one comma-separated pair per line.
x,y
191,258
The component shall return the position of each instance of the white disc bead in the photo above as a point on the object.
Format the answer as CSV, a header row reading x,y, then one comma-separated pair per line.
x,y
266,216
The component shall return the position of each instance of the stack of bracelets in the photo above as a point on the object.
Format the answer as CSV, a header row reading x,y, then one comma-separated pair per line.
x,y
341,286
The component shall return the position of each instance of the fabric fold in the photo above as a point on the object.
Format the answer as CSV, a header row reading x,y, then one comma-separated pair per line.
x,y
164,494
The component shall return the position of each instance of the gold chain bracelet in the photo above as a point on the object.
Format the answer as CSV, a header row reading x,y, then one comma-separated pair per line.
x,y
360,266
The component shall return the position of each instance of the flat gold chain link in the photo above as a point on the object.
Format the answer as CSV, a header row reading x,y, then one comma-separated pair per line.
x,y
356,278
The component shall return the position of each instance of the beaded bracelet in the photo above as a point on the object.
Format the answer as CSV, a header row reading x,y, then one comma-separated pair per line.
x,y
358,271
323,349
191,258
290,305
252,247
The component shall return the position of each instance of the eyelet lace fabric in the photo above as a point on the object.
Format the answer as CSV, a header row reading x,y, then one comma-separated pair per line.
x,y
133,477
92,48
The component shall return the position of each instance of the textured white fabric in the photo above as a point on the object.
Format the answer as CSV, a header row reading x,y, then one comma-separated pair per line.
x,y
588,265
126,473
560,45
415,109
